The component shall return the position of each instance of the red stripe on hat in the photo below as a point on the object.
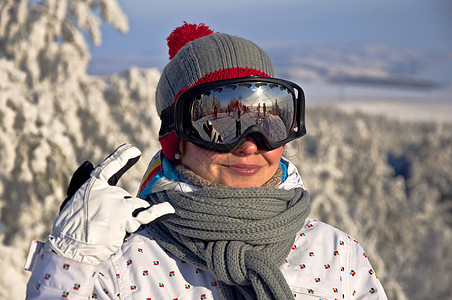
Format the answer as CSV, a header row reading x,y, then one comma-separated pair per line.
x,y
224,74
230,73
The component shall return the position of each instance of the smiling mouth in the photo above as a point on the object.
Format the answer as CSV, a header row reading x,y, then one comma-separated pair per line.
x,y
244,170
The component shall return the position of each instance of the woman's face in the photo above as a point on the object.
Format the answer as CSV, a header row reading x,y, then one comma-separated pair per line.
x,y
246,167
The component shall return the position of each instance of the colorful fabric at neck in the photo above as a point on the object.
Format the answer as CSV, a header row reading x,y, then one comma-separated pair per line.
x,y
161,175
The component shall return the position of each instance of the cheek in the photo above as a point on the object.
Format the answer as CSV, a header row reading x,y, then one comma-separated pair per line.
x,y
273,157
200,160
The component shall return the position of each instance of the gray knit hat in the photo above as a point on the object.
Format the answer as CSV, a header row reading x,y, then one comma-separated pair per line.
x,y
197,56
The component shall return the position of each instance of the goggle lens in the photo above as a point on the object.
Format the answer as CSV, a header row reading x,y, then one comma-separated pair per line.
x,y
221,115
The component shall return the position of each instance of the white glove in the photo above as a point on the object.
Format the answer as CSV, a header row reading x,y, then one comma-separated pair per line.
x,y
95,217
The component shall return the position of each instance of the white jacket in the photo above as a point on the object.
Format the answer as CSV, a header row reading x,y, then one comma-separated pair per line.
x,y
325,263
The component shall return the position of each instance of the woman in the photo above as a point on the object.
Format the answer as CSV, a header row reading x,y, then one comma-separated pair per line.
x,y
240,227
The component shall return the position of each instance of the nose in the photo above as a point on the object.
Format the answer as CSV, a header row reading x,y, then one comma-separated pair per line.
x,y
248,148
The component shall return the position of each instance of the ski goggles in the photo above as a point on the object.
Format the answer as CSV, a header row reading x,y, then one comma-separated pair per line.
x,y
222,115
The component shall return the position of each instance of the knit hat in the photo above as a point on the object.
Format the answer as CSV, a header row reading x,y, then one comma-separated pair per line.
x,y
198,55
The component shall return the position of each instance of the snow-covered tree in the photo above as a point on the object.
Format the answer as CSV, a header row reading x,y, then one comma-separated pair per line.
x,y
53,115
46,39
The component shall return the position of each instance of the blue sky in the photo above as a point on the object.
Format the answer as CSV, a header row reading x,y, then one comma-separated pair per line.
x,y
304,27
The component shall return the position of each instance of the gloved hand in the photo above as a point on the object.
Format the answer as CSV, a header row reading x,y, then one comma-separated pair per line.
x,y
96,215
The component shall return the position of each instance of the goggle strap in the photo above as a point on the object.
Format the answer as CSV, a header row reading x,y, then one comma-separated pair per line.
x,y
167,118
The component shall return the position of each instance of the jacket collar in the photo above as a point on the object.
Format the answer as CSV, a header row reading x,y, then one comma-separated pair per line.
x,y
161,175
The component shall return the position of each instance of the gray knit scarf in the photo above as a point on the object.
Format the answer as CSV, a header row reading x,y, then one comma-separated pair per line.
x,y
240,235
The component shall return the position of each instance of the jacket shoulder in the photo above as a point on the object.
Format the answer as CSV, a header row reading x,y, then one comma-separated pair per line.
x,y
330,263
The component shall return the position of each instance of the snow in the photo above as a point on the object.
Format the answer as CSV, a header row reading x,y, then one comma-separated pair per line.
x,y
380,171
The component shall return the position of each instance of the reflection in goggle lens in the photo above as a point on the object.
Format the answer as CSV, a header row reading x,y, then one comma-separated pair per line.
x,y
222,114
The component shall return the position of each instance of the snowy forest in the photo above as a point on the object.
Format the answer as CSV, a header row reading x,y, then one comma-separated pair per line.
x,y
386,182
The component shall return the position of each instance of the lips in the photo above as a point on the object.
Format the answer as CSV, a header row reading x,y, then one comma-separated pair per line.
x,y
244,169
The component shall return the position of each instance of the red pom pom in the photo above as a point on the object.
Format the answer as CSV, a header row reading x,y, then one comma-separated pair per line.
x,y
185,34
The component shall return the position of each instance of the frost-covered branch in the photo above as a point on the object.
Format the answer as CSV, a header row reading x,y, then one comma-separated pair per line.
x,y
46,39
